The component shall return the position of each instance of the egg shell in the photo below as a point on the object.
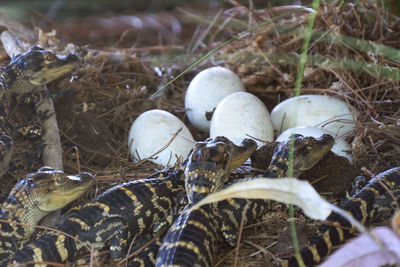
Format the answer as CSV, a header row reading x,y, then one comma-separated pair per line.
x,y
242,115
328,112
152,130
205,91
341,147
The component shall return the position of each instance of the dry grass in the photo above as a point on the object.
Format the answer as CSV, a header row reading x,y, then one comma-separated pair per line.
x,y
114,87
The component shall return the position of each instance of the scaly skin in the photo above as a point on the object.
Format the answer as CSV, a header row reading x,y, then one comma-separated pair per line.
x,y
210,164
134,209
191,239
32,198
34,68
26,72
366,205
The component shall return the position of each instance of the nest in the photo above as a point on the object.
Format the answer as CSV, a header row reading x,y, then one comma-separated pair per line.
x,y
349,57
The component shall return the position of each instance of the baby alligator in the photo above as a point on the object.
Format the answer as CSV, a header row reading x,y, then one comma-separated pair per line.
x,y
210,164
27,71
30,200
131,210
191,239
34,68
366,205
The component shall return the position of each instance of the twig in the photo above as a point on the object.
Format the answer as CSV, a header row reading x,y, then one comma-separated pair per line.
x,y
221,260
240,234
161,149
262,249
52,154
92,256
10,44
78,165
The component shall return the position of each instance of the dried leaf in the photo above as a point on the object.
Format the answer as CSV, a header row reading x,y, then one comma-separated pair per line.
x,y
287,190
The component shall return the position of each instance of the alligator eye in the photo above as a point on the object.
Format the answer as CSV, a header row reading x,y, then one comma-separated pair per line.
x,y
50,57
60,180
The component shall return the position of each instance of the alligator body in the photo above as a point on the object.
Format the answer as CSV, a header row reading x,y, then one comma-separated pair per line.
x,y
134,209
113,218
210,164
34,68
192,238
22,76
32,198
366,205
147,256
18,82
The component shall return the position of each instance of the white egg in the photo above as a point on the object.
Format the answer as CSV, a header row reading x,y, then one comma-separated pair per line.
x,y
341,146
242,115
152,131
205,91
328,112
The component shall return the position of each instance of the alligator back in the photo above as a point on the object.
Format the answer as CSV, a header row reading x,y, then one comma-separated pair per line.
x,y
227,216
373,201
191,239
112,219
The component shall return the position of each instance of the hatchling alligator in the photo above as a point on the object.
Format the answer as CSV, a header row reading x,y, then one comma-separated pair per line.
x,y
26,72
368,203
31,199
18,80
192,238
133,209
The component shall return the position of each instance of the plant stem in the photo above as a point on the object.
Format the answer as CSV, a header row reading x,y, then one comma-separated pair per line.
x,y
300,70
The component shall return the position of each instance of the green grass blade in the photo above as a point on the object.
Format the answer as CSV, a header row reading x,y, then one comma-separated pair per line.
x,y
300,71
240,35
